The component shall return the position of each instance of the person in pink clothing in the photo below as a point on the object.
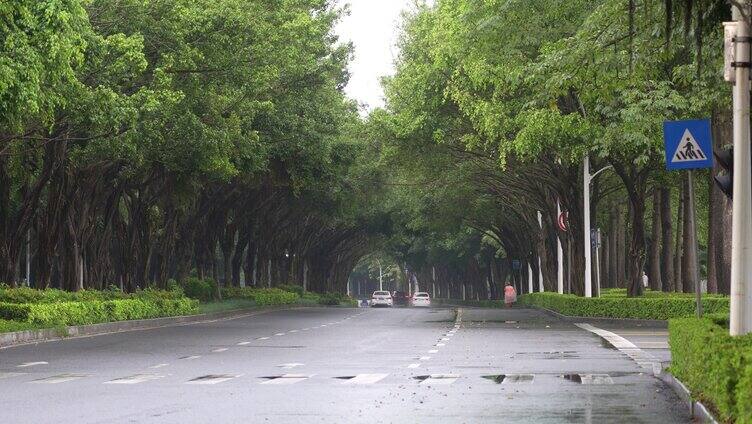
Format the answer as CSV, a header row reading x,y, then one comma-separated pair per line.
x,y
510,295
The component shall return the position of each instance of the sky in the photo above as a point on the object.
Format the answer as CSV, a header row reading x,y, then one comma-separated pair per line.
x,y
373,28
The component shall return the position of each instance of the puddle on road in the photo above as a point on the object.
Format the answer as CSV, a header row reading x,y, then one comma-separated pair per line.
x,y
574,378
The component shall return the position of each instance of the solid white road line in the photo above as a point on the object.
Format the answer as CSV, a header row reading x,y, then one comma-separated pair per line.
x,y
644,359
32,364
366,379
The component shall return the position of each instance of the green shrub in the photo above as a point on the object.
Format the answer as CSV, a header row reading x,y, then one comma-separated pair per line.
x,y
292,288
624,307
265,296
95,311
274,296
203,290
330,299
716,367
10,326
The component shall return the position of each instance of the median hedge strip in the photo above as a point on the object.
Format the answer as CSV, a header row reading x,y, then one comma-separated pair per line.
x,y
715,367
95,311
659,308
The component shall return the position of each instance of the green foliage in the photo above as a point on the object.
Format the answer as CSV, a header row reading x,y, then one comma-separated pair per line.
x,y
95,311
292,288
28,295
336,299
716,367
8,326
659,308
196,288
264,296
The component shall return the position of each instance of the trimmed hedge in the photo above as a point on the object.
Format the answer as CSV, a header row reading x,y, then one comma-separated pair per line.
x,y
623,307
95,311
29,295
716,367
266,296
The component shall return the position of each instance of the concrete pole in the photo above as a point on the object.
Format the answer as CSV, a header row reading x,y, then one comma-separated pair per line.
x,y
741,227
381,277
464,297
28,258
586,224
559,256
529,278
540,268
598,262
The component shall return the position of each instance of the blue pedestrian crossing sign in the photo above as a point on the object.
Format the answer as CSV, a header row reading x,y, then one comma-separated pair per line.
x,y
689,144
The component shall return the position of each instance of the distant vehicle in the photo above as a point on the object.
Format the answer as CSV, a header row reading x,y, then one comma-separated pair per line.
x,y
400,298
421,299
382,298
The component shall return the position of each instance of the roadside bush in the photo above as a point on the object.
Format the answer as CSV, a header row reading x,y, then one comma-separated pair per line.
x,y
95,311
199,289
292,288
660,308
274,296
330,299
715,367
265,296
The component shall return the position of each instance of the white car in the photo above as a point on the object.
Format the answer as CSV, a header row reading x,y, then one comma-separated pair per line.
x,y
421,299
382,298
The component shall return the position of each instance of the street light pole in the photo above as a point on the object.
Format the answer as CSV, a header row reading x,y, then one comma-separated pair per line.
x,y
540,268
559,255
586,224
741,227
586,179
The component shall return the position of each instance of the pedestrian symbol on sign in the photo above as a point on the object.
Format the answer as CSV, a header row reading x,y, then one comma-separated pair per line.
x,y
688,144
688,149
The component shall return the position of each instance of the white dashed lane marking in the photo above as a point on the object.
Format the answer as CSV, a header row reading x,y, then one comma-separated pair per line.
x,y
10,374
366,379
220,350
280,334
413,365
61,378
134,379
439,380
286,379
440,344
212,379
32,364
244,343
262,338
190,358
290,365
293,331
158,366
424,358
433,351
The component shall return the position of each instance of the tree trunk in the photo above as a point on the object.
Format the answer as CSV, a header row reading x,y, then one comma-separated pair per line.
x,y
679,237
654,274
667,253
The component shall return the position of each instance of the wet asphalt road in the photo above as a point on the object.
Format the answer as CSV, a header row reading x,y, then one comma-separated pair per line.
x,y
401,365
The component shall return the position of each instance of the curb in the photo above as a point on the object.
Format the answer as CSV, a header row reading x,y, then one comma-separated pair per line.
x,y
697,410
654,323
18,338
